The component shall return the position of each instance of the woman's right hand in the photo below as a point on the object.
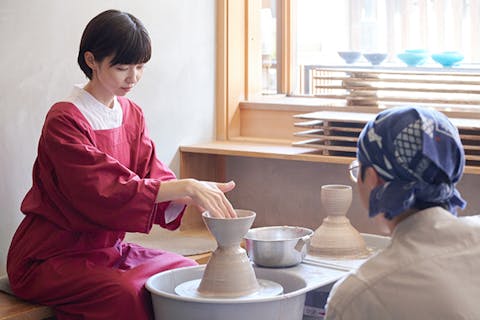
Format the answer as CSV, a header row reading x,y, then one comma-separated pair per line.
x,y
208,196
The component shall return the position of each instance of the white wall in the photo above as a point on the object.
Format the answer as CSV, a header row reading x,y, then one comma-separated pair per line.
x,y
39,43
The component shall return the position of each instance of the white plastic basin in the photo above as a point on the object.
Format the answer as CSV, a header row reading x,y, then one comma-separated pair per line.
x,y
168,305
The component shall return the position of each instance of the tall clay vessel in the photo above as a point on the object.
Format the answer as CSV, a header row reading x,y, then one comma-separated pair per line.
x,y
336,237
229,273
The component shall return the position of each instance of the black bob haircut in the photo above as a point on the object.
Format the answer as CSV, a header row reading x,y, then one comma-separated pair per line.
x,y
118,34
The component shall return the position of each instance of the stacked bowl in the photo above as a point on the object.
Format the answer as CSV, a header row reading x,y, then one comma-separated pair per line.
x,y
414,57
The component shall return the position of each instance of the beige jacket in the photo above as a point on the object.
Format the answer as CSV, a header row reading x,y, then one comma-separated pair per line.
x,y
431,270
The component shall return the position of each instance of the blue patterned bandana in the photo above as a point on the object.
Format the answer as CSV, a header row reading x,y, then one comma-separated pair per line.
x,y
419,154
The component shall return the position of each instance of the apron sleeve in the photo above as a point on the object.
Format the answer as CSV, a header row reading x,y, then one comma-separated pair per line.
x,y
167,214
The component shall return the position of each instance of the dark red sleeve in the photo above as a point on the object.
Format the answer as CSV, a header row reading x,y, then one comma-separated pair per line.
x,y
148,165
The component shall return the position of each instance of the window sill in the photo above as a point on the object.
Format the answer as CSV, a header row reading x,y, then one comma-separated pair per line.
x,y
278,103
299,104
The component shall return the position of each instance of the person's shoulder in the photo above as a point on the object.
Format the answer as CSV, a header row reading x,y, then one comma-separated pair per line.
x,y
473,220
64,112
64,109
469,226
453,222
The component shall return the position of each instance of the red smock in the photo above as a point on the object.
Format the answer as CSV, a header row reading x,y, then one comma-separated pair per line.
x,y
89,188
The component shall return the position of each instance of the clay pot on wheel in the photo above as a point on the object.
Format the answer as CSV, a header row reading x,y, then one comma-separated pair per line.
x,y
229,272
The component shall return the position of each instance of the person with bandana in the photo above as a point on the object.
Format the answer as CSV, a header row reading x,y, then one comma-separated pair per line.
x,y
409,162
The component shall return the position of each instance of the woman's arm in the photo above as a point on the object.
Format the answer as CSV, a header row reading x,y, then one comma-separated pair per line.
x,y
207,195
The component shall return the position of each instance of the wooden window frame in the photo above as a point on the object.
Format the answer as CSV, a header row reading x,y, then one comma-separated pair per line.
x,y
238,74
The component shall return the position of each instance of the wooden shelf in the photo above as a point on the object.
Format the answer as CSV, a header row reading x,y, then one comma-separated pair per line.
x,y
262,150
206,160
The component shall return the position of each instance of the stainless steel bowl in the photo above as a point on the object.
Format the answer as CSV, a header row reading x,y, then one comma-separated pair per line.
x,y
278,246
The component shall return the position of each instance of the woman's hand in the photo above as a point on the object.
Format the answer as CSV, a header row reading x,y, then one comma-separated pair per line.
x,y
208,196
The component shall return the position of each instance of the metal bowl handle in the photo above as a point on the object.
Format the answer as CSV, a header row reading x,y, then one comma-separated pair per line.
x,y
301,243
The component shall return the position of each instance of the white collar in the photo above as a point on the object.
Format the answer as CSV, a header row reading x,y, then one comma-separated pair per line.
x,y
98,115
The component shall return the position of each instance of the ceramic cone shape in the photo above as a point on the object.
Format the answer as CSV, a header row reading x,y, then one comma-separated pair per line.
x,y
336,237
229,272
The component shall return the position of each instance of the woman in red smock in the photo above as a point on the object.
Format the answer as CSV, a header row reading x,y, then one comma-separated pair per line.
x,y
95,178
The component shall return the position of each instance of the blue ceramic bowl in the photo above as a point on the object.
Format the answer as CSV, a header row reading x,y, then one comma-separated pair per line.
x,y
413,58
417,51
375,58
448,58
350,56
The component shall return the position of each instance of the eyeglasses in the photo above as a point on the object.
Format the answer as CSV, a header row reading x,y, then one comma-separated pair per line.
x,y
354,169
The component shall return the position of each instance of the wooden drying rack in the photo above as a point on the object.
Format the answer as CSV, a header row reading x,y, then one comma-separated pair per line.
x,y
336,133
373,86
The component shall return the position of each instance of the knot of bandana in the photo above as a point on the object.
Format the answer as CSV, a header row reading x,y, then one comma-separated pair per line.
x,y
419,154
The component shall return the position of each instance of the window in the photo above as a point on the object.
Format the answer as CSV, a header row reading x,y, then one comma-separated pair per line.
x,y
256,95
321,28
263,49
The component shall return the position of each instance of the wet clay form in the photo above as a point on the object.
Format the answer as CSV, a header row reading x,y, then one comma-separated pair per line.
x,y
229,272
336,237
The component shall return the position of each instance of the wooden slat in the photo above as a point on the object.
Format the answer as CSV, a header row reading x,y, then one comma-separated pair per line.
x,y
470,137
331,78
398,99
472,157
412,88
330,86
329,137
358,81
346,117
312,123
352,130
381,70
312,132
472,147
318,144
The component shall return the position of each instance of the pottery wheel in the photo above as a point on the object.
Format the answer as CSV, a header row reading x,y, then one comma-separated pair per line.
x,y
267,289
